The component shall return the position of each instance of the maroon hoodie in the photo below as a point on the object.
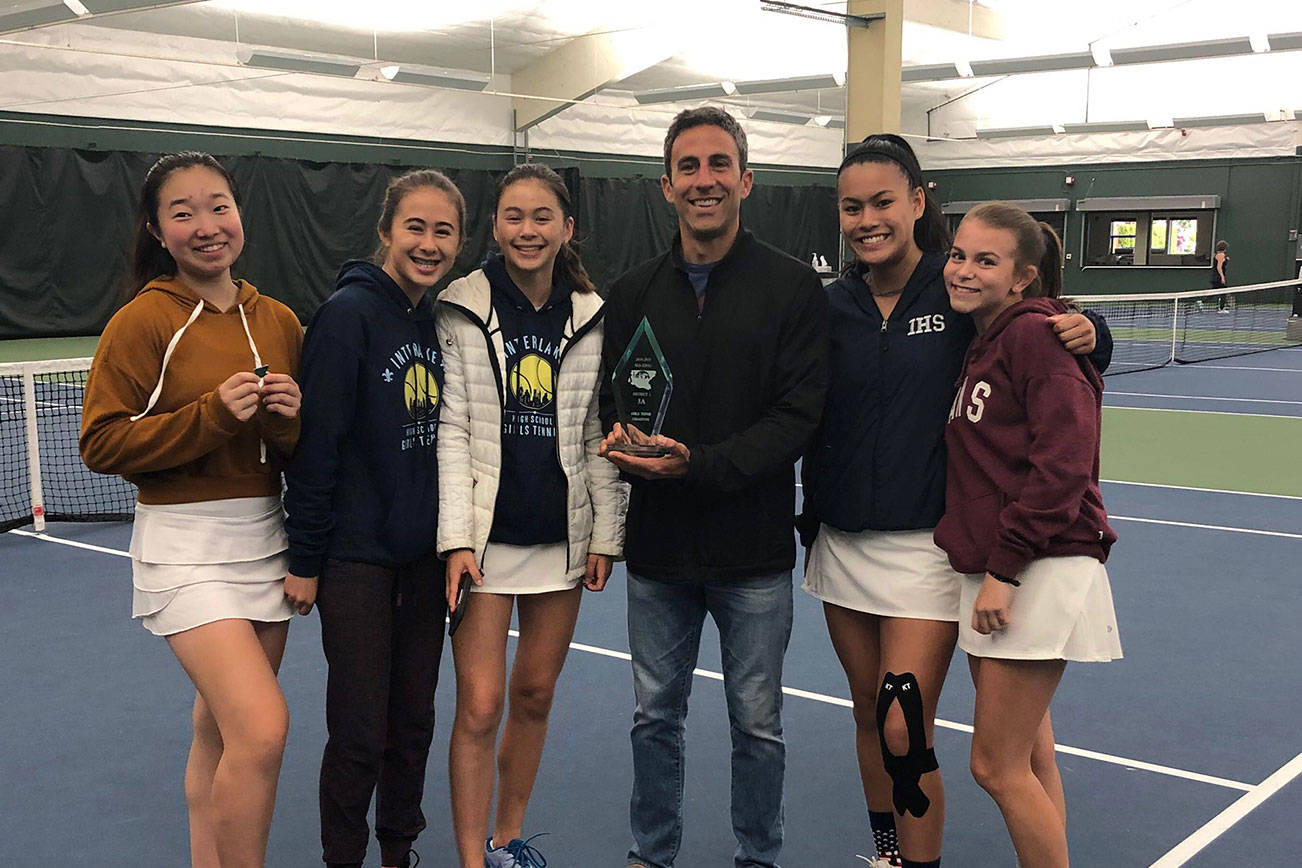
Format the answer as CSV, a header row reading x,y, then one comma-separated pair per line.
x,y
1023,442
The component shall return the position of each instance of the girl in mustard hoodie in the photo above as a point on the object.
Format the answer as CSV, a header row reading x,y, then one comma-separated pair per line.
x,y
192,398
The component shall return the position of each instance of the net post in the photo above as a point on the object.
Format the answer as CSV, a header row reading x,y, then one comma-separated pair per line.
x,y
1175,328
33,451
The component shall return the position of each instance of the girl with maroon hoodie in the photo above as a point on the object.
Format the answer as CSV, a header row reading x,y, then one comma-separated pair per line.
x,y
1024,518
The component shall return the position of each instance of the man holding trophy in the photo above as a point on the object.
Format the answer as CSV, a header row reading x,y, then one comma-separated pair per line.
x,y
716,352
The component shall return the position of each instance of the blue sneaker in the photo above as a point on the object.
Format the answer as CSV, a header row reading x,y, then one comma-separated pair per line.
x,y
516,854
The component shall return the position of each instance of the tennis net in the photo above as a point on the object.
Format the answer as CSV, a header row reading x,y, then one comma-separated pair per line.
x,y
43,478
1150,331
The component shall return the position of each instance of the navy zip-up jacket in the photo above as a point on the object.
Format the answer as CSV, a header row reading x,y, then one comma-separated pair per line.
x,y
363,482
878,461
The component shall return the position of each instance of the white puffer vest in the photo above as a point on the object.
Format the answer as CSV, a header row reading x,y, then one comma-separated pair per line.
x,y
470,426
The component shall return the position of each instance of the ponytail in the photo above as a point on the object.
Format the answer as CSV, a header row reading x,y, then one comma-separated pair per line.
x,y
931,230
149,259
569,270
1036,244
1048,283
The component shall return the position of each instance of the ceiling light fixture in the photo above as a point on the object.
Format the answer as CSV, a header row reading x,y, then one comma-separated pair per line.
x,y
1220,120
1106,126
1012,132
788,85
780,117
296,62
827,16
38,17
1183,51
1284,41
690,92
434,77
1043,63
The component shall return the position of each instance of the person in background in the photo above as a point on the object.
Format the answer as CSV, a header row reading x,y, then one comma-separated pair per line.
x,y
1220,273
875,486
192,398
528,511
1024,518
743,328
363,510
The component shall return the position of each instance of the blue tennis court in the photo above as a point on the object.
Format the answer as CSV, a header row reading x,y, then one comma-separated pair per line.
x,y
1186,752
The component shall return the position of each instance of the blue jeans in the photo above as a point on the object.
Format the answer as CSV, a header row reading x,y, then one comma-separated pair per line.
x,y
664,637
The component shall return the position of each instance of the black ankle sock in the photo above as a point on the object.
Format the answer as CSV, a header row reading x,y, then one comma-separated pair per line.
x,y
884,838
909,863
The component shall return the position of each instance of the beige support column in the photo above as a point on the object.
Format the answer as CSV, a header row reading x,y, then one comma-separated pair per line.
x,y
872,86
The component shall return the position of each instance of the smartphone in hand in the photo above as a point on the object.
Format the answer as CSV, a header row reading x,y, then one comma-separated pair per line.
x,y
463,597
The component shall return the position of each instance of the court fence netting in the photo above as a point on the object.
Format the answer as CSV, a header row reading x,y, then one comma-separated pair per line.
x,y
1149,331
43,477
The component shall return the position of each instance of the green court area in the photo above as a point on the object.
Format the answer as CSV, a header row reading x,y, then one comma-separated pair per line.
x,y
39,349
1232,451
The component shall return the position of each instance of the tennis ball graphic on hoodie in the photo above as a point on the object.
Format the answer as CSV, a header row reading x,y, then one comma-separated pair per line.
x,y
531,381
421,391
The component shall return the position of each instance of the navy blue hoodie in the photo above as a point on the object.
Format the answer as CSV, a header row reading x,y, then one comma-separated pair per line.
x,y
363,482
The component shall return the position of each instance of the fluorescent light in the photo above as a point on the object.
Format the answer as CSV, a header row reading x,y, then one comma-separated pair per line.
x,y
830,122
1043,63
76,6
1220,120
296,62
1183,51
826,15
690,92
780,117
1106,126
1102,54
1011,132
787,85
37,17
1285,41
930,72
434,77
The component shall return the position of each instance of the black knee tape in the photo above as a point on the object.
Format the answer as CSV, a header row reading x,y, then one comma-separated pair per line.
x,y
906,771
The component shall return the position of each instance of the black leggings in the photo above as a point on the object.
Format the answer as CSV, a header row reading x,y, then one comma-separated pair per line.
x,y
382,630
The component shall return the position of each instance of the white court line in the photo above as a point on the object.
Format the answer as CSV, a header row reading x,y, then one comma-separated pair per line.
x,y
958,727
1279,533
1218,825
1203,367
806,694
73,543
1204,397
1208,490
1200,412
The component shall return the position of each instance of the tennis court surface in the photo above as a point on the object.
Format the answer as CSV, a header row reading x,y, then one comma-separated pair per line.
x,y
1186,752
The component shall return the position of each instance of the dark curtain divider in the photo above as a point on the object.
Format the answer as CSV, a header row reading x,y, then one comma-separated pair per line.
x,y
68,222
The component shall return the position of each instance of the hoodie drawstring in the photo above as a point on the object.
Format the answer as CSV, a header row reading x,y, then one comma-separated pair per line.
x,y
257,363
167,355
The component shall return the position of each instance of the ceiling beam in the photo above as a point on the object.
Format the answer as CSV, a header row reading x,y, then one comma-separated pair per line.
x,y
959,16
580,68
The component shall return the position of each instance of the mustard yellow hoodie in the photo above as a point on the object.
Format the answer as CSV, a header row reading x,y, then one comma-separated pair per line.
x,y
183,445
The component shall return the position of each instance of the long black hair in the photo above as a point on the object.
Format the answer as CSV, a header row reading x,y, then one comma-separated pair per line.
x,y
568,268
149,259
931,230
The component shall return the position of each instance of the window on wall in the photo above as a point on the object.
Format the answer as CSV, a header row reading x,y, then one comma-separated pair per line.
x,y
1175,238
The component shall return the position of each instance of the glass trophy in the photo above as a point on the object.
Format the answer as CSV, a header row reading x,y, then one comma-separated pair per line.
x,y
642,385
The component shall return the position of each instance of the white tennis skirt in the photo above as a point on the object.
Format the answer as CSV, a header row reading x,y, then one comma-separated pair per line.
x,y
1062,611
195,563
897,573
536,569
